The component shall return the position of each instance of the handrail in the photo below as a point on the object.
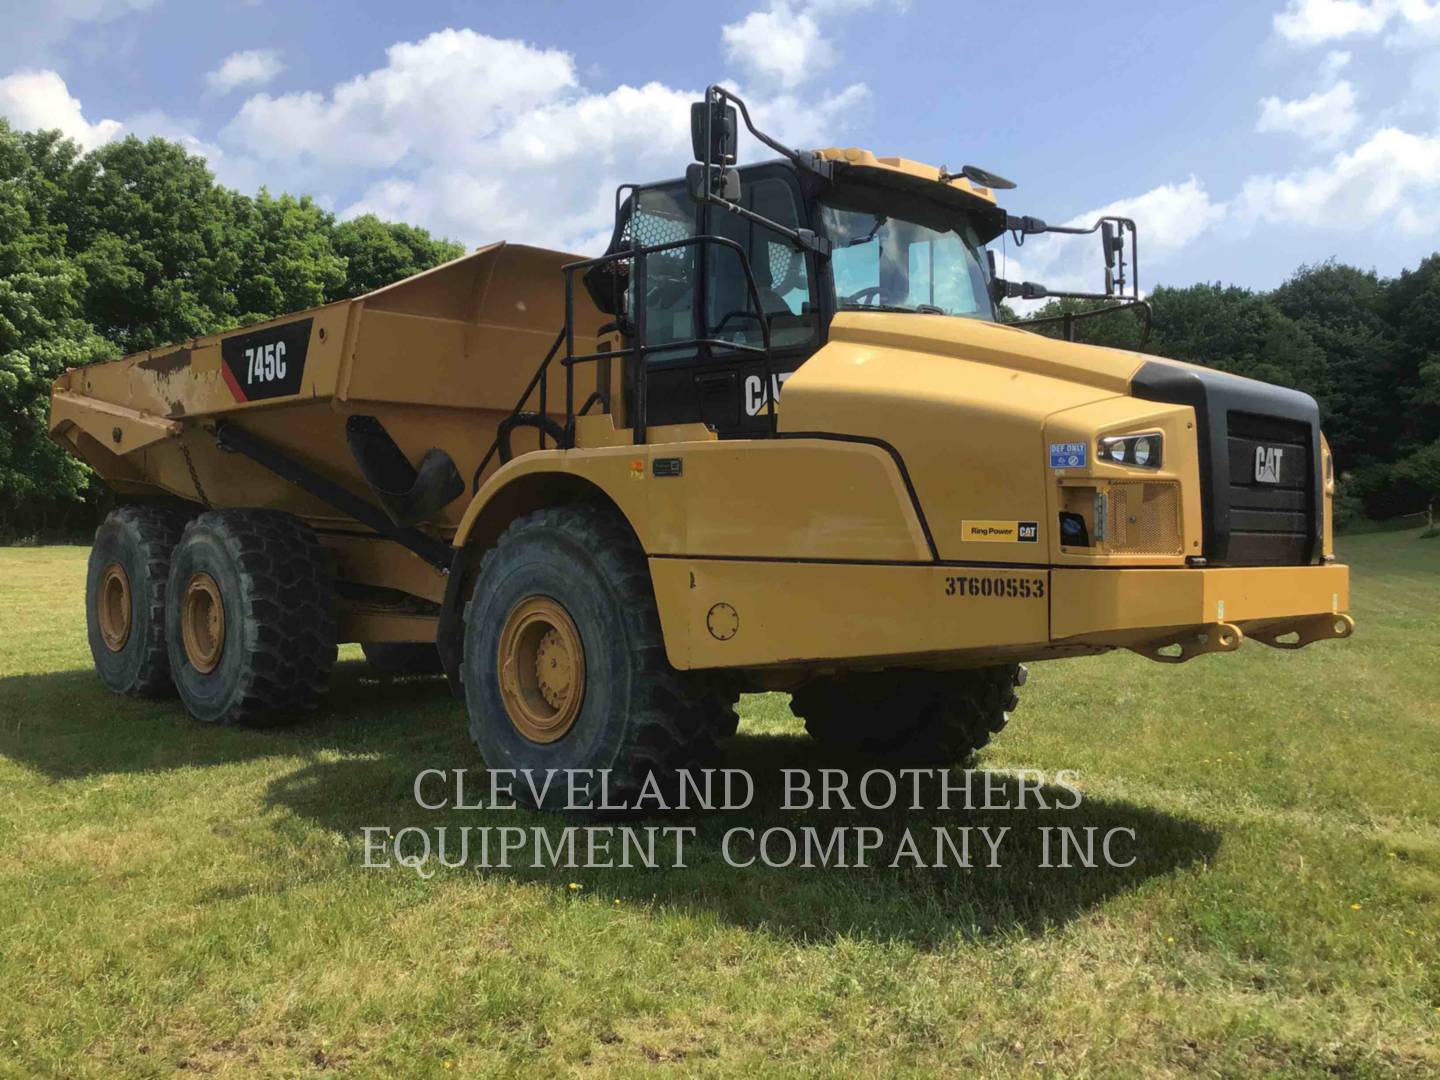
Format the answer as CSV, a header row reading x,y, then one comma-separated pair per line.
x,y
639,350
519,407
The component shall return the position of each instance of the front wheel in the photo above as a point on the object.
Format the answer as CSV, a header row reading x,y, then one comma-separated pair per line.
x,y
564,663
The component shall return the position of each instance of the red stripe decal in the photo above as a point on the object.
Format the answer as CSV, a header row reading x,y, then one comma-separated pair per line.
x,y
231,382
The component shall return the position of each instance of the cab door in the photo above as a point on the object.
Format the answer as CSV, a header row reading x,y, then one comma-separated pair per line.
x,y
699,294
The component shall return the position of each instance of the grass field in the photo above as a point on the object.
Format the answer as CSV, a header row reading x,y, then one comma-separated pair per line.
x,y
174,898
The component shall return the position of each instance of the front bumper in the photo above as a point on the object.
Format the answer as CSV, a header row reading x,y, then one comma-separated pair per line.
x,y
1172,615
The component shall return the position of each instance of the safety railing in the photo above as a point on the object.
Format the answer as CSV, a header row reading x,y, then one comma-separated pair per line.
x,y
638,350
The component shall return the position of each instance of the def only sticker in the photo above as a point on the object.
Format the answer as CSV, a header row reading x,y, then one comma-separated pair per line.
x,y
1068,455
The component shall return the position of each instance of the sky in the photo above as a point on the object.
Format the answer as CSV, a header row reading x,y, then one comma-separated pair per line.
x,y
1246,137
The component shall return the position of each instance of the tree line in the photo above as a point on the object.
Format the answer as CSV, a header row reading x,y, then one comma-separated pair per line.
x,y
134,245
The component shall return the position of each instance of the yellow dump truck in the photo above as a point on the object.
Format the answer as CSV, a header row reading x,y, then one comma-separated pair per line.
x,y
576,486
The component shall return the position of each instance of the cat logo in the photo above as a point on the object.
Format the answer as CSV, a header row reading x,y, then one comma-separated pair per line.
x,y
1267,464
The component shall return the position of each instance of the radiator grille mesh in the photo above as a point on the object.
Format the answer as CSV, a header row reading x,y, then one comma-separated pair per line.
x,y
1144,518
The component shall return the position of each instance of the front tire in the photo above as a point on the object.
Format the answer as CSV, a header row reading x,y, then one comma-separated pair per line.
x,y
250,617
564,663
125,587
921,717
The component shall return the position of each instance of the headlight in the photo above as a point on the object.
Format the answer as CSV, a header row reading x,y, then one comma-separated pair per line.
x,y
1142,451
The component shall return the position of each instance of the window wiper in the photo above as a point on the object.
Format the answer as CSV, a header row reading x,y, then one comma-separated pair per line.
x,y
918,309
879,224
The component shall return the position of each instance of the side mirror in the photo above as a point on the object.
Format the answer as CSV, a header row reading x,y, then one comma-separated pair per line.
x,y
724,181
1111,246
723,121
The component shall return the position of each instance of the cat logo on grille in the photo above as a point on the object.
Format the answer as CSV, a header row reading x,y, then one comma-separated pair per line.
x,y
1267,464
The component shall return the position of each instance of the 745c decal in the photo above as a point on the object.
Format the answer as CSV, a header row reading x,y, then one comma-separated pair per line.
x,y
999,588
266,363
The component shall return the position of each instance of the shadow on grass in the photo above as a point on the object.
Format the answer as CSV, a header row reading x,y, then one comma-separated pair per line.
x,y
66,725
372,736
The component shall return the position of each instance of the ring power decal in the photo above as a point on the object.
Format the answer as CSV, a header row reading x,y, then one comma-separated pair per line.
x,y
1002,532
266,363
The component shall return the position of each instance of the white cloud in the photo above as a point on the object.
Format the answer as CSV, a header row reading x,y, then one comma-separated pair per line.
x,y
252,67
481,138
1393,177
1313,22
30,38
40,100
433,98
1310,22
1323,118
1336,60
781,46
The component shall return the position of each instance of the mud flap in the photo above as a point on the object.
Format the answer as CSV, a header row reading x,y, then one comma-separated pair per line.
x,y
407,494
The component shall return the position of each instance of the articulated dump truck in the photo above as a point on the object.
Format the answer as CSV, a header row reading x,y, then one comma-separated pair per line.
x,y
576,487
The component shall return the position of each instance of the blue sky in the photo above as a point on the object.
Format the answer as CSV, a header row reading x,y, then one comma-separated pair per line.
x,y
1245,137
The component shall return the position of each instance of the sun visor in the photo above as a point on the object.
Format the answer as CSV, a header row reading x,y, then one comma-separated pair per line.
x,y
928,202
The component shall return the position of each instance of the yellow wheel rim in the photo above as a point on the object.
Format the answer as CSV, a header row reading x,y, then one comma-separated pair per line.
x,y
542,669
202,623
112,607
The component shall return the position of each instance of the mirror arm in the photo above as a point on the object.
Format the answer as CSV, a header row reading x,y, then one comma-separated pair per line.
x,y
805,239
810,162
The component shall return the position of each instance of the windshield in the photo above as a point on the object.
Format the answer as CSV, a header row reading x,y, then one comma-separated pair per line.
x,y
886,263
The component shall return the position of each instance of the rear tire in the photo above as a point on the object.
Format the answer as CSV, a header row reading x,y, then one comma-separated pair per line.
x,y
564,664
250,617
921,717
403,657
125,598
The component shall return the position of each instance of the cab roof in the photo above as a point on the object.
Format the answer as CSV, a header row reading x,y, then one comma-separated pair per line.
x,y
864,160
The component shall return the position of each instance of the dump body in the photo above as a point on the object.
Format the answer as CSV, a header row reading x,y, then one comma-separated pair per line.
x,y
440,358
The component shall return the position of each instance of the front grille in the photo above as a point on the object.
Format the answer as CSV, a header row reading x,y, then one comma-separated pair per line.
x,y
1144,518
1269,519
1271,487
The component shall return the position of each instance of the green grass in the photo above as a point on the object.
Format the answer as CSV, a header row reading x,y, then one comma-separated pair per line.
x,y
175,898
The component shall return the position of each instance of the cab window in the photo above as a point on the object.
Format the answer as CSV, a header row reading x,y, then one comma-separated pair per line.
x,y
662,215
782,273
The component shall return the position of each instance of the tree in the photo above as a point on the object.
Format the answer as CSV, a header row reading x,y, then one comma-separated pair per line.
x,y
41,329
1340,308
378,252
287,258
133,246
156,239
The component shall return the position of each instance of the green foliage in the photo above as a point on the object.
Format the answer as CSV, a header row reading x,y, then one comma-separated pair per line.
x,y
133,246
378,252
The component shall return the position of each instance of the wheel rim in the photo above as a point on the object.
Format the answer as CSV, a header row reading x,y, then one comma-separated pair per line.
x,y
112,607
542,669
202,623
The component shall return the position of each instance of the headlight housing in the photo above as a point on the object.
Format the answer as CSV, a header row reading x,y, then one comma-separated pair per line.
x,y
1144,451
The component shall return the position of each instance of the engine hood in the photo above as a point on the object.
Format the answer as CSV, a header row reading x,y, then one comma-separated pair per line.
x,y
995,344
